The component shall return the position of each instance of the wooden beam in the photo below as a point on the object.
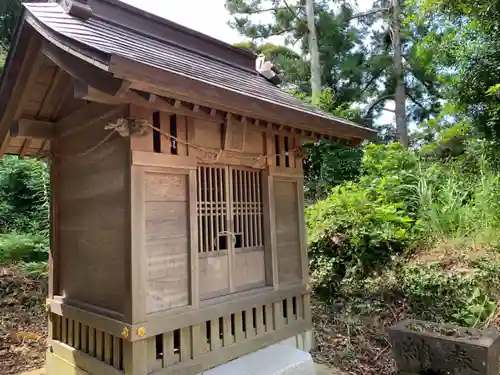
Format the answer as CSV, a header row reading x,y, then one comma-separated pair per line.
x,y
24,147
152,98
124,88
18,75
87,115
86,72
42,147
33,129
145,99
82,90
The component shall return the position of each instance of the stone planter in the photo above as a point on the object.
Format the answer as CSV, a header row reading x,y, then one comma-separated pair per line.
x,y
421,347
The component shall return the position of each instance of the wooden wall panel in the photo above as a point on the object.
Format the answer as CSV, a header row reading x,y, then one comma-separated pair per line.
x,y
288,246
166,187
167,241
214,276
182,135
166,220
254,141
249,269
91,216
207,138
206,134
144,142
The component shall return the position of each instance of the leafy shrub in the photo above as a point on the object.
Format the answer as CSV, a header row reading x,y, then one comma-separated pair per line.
x,y
351,236
439,295
35,270
24,195
23,248
329,164
405,201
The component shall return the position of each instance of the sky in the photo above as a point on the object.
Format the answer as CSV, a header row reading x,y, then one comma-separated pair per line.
x,y
207,16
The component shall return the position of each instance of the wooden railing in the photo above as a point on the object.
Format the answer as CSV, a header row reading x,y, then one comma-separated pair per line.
x,y
85,339
206,338
197,347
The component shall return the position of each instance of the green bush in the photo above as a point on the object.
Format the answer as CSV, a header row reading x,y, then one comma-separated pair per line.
x,y
351,236
35,269
23,248
406,202
24,195
329,164
437,294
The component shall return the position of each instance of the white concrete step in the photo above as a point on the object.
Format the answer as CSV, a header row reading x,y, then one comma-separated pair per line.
x,y
274,360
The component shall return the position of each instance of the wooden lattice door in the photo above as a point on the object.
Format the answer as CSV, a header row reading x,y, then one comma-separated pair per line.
x,y
230,230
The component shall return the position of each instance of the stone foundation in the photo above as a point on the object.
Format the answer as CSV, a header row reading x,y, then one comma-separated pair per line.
x,y
276,359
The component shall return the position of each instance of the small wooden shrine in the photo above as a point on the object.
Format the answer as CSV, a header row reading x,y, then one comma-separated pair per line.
x,y
178,237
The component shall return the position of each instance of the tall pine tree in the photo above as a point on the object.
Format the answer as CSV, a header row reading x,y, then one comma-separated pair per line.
x,y
356,53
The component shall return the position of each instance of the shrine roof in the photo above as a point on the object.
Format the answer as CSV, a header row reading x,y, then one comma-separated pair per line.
x,y
120,39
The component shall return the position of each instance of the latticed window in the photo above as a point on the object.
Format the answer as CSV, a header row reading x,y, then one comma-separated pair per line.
x,y
229,209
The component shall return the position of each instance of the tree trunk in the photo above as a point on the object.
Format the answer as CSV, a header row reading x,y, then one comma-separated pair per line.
x,y
398,71
314,53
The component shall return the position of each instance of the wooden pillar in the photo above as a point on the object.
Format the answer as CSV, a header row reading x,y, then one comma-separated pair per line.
x,y
194,260
302,231
135,305
271,261
135,357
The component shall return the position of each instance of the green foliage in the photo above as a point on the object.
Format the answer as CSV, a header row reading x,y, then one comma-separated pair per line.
x,y
24,212
35,269
351,236
404,204
436,294
343,58
355,56
23,248
291,66
24,195
327,165
3,57
9,14
465,42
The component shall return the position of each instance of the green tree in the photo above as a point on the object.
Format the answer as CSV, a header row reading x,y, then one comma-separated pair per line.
x,y
422,83
342,52
329,164
356,52
9,14
3,57
24,195
466,44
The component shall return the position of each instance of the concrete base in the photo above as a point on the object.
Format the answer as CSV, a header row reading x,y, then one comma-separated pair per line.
x,y
303,341
320,370
274,360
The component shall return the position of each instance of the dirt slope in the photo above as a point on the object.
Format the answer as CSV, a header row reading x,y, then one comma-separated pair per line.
x,y
23,323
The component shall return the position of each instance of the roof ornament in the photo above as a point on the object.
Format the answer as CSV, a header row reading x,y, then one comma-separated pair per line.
x,y
77,8
265,69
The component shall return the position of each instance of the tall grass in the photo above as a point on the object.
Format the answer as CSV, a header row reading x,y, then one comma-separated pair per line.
x,y
455,206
